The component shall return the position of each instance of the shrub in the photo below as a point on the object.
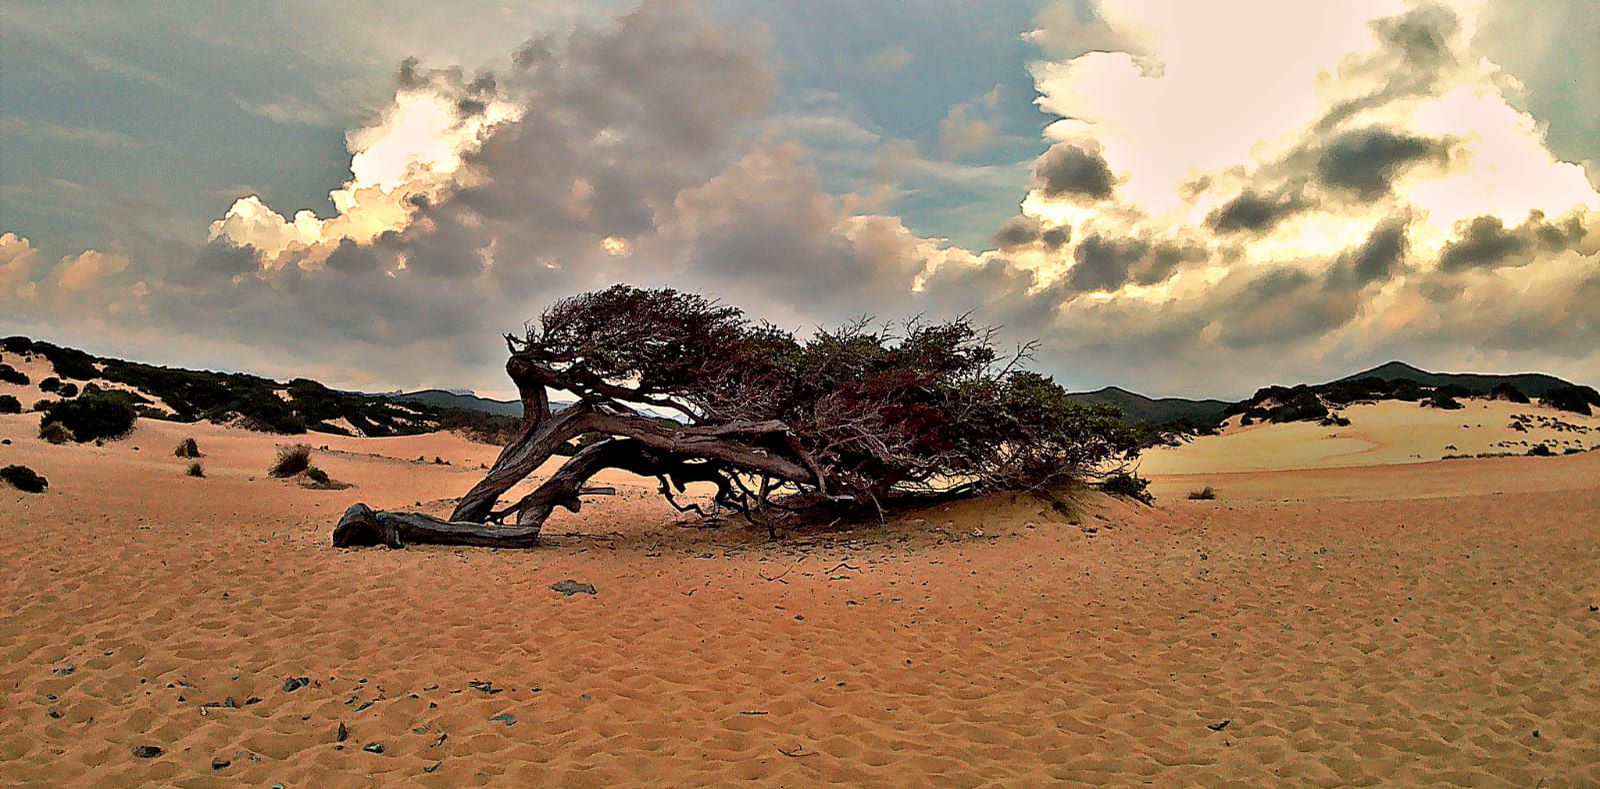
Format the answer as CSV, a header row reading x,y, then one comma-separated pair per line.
x,y
1204,494
1541,450
12,375
10,405
1442,399
317,475
54,433
1123,483
1507,392
291,460
24,479
1576,399
195,469
68,389
187,448
39,406
92,417
51,384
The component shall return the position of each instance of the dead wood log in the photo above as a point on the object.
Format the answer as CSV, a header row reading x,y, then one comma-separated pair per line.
x,y
363,526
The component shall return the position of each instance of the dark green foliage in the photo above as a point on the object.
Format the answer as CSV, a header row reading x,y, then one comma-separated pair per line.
x,y
291,461
1576,399
196,470
12,375
1124,483
54,433
1541,450
187,448
101,415
318,476
51,384
1535,384
10,405
68,389
24,479
1508,392
1443,400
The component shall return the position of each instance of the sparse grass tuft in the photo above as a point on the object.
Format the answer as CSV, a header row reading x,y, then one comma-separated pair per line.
x,y
1206,493
291,460
317,475
55,433
195,469
187,448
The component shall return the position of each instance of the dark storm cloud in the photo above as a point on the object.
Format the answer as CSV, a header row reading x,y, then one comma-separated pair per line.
x,y
1018,231
1421,35
1055,238
1366,161
1067,170
1106,264
1380,258
1254,213
1485,242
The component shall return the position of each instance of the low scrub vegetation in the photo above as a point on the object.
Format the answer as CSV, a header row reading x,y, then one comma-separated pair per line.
x,y
24,479
1206,493
291,460
92,417
12,375
187,448
195,469
10,405
1577,399
1130,484
55,433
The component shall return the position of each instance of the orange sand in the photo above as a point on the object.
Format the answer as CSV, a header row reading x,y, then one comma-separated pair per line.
x,y
1415,624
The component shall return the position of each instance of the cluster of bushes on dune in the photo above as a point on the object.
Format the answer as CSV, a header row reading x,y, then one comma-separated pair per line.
x,y
12,375
10,405
255,402
187,448
24,479
92,417
1577,399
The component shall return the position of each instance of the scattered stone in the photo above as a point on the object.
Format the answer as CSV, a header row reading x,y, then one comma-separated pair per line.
x,y
485,686
373,747
1219,726
146,751
65,671
432,768
293,684
442,737
220,763
342,733
506,718
570,587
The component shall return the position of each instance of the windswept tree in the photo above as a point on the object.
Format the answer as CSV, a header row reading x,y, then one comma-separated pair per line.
x,y
860,420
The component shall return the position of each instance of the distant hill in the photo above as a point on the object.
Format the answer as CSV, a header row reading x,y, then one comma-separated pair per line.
x,y
1531,384
1138,409
252,401
459,399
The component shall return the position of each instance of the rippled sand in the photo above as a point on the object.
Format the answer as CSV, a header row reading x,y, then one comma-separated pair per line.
x,y
1431,623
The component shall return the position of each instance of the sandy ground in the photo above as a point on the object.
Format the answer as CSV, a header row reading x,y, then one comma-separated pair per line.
x,y
1397,625
1388,432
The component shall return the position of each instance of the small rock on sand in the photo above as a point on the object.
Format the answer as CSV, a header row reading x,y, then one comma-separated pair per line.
x,y
146,751
570,587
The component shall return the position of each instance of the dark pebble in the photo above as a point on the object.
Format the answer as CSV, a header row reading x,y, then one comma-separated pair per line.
x,y
373,747
146,751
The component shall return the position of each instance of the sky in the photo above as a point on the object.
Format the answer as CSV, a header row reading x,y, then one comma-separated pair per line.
x,y
1179,198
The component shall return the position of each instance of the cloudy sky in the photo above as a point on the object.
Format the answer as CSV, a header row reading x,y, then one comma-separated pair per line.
x,y
1181,198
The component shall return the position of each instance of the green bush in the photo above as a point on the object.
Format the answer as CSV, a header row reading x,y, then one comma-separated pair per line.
x,y
1541,450
1123,483
12,375
1443,400
1206,493
24,479
51,384
68,389
195,469
1507,392
291,460
1576,399
54,433
187,448
92,417
317,475
10,405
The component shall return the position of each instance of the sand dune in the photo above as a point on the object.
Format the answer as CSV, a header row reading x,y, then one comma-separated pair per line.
x,y
1395,641
1387,432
